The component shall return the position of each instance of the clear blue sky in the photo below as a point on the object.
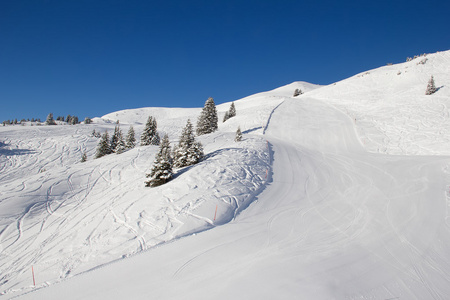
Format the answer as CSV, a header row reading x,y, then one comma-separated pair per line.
x,y
89,58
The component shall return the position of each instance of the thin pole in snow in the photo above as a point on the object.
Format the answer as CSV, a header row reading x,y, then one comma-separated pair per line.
x,y
32,272
215,213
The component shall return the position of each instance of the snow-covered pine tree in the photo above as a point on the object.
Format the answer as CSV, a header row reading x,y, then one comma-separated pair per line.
x,y
297,92
150,134
73,120
84,157
130,141
103,147
431,88
238,136
232,110
161,171
87,120
194,153
208,120
230,113
226,117
115,138
50,120
188,151
120,143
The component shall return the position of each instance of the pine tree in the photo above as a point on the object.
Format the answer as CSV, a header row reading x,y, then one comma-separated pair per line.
x,y
161,171
226,116
87,120
117,141
232,110
238,137
297,92
130,139
50,120
208,120
230,113
150,134
83,157
194,153
121,146
103,147
96,134
188,151
73,120
431,88
115,138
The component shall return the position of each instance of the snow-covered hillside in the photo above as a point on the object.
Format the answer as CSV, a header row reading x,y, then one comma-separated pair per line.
x,y
330,212
63,217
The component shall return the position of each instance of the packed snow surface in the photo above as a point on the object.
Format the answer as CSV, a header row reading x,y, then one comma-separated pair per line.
x,y
340,193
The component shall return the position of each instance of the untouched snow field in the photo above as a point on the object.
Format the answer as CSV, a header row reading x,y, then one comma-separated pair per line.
x,y
340,193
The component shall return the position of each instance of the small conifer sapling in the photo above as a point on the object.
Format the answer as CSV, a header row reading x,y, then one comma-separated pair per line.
x,y
431,88
238,136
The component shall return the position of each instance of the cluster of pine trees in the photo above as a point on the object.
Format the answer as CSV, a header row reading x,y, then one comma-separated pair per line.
x,y
188,151
117,143
230,113
71,120
22,121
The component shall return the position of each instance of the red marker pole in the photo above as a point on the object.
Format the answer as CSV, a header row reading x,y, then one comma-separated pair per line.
x,y
215,213
32,272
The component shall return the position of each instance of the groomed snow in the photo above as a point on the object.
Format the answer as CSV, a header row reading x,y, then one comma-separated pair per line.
x,y
346,191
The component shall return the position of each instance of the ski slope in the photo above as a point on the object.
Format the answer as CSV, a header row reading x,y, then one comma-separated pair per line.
x,y
355,203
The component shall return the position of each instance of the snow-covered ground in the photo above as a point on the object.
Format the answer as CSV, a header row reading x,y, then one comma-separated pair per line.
x,y
340,193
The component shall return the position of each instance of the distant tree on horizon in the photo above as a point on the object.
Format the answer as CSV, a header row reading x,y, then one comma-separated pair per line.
x,y
73,120
238,136
297,92
208,120
50,120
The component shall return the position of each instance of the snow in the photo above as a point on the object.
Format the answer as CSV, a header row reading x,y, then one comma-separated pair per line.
x,y
340,193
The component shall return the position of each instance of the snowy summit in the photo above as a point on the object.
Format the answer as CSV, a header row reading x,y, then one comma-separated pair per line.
x,y
326,192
